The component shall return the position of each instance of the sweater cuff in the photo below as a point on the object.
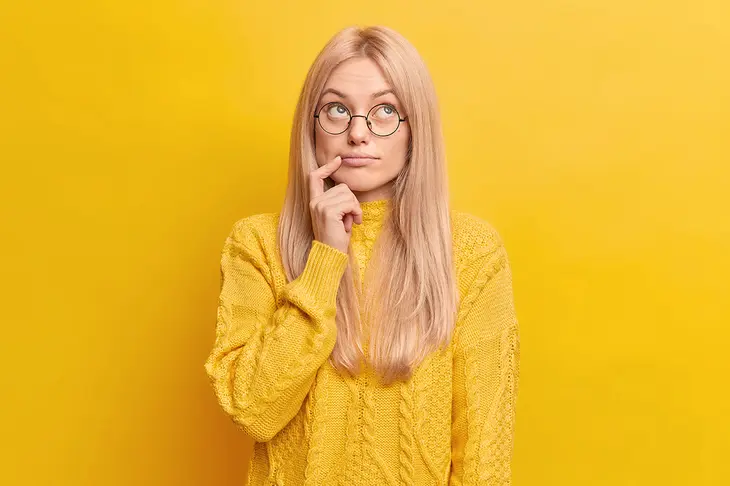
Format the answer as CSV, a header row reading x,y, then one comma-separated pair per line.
x,y
323,272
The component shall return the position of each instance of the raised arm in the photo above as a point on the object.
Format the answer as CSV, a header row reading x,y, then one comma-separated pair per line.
x,y
265,356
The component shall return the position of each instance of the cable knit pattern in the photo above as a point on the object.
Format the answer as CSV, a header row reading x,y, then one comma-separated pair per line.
x,y
368,422
434,388
493,466
318,433
406,433
451,423
348,464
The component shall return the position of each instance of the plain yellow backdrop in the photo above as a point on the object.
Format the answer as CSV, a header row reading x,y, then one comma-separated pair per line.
x,y
593,134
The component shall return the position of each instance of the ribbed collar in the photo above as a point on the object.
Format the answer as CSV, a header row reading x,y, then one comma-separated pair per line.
x,y
373,211
373,216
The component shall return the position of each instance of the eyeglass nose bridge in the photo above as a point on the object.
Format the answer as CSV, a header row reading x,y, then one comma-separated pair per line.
x,y
367,122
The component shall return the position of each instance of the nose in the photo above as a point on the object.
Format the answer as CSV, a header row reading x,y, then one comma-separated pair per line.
x,y
358,131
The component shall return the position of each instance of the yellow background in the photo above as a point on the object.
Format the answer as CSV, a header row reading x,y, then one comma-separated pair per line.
x,y
592,133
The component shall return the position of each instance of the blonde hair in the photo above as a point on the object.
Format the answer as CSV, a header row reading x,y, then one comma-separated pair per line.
x,y
414,300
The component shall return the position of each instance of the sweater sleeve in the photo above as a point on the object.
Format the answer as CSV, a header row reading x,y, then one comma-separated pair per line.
x,y
266,354
486,376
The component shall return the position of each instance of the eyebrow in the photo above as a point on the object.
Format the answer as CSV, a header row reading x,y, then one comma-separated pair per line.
x,y
343,95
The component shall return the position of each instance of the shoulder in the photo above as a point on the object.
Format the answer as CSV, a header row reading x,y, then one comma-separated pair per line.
x,y
479,254
256,234
473,237
256,226
251,242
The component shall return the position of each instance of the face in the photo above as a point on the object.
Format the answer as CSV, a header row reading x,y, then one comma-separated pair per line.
x,y
358,85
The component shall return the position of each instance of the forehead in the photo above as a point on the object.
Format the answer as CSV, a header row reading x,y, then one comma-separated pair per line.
x,y
357,77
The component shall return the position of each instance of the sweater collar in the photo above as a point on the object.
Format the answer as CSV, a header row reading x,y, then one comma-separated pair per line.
x,y
374,211
373,216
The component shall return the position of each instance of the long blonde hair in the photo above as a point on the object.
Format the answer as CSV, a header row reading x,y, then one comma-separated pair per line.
x,y
414,300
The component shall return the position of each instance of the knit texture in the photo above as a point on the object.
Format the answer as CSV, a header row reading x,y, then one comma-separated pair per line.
x,y
451,423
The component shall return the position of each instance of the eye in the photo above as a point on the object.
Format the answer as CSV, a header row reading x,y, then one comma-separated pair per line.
x,y
384,112
337,110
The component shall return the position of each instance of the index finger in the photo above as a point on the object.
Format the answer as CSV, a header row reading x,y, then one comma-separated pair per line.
x,y
317,177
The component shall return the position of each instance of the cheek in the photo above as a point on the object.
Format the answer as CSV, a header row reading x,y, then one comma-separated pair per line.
x,y
398,148
321,147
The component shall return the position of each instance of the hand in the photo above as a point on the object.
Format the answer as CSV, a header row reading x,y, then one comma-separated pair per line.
x,y
333,212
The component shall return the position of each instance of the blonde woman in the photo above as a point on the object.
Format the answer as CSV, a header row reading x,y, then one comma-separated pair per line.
x,y
366,334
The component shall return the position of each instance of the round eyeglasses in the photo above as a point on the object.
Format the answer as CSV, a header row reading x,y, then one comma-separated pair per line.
x,y
382,119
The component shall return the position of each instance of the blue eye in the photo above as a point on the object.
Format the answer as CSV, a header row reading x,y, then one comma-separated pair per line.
x,y
337,110
384,112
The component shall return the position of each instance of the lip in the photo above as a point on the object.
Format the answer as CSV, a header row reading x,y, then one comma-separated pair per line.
x,y
354,160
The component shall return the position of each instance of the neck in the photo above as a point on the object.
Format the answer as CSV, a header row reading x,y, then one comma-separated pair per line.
x,y
383,192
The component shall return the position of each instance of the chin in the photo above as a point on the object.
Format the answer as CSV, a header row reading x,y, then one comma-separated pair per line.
x,y
357,182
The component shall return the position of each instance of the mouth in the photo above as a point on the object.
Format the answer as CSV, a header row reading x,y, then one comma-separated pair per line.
x,y
357,160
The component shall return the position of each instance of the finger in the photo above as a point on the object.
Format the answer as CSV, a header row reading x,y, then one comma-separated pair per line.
x,y
336,196
350,201
345,204
317,176
347,220
336,200
356,210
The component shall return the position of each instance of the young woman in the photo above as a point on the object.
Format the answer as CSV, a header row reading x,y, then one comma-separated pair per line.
x,y
366,334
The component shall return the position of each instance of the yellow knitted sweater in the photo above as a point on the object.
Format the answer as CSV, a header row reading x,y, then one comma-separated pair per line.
x,y
451,423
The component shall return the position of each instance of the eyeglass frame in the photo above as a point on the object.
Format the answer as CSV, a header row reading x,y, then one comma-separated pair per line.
x,y
400,120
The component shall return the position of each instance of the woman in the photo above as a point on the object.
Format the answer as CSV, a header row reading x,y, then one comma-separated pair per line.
x,y
366,335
